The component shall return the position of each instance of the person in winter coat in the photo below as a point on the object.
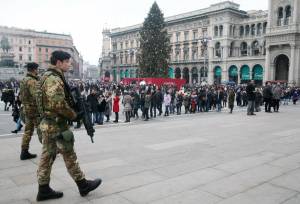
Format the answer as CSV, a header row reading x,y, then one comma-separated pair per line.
x,y
277,91
286,97
258,100
186,102
127,101
136,104
159,100
101,108
250,90
147,105
142,101
8,96
268,96
231,98
108,106
295,97
179,100
219,99
193,102
167,101
116,107
225,99
153,105
93,103
239,98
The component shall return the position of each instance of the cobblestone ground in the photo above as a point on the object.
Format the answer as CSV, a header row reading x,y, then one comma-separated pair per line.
x,y
203,158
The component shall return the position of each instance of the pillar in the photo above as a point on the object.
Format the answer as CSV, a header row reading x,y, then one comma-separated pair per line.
x,y
267,65
190,77
292,64
295,12
118,75
270,5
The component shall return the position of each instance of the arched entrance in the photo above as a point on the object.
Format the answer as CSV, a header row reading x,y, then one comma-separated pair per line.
x,y
115,75
233,74
258,74
126,73
107,74
203,74
132,73
282,64
171,73
186,75
122,74
218,75
177,73
245,74
195,75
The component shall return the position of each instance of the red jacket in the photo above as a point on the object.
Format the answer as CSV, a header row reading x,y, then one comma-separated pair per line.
x,y
116,106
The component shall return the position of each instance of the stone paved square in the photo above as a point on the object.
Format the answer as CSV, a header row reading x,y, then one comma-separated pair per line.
x,y
202,158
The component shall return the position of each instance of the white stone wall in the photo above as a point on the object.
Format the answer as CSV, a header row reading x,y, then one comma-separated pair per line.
x,y
261,25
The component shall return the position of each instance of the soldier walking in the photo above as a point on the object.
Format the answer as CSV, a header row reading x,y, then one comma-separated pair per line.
x,y
28,99
56,136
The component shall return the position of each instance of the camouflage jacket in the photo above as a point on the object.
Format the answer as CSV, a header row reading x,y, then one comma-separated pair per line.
x,y
55,102
27,94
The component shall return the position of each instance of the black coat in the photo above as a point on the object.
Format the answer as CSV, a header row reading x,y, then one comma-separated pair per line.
x,y
93,102
250,90
158,98
268,94
101,106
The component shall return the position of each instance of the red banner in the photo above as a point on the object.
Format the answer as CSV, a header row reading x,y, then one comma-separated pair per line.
x,y
155,81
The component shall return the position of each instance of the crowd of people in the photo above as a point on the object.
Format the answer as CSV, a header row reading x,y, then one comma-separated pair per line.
x,y
106,100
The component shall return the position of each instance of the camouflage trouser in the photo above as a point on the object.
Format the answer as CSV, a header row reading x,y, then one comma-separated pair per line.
x,y
30,124
53,145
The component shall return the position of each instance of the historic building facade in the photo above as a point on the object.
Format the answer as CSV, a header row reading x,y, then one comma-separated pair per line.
x,y
218,44
33,46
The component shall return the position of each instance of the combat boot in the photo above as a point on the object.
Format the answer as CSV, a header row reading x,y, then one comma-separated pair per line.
x,y
26,155
47,193
86,186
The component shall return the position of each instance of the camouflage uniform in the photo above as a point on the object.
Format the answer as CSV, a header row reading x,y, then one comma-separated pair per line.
x,y
56,113
27,96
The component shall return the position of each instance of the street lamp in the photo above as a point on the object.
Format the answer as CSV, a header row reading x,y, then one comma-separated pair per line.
x,y
204,44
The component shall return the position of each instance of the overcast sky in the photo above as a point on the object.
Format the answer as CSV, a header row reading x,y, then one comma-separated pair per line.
x,y
85,19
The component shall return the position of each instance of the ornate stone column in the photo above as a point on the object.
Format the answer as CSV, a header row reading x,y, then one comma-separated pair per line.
x,y
297,65
267,65
118,75
292,64
239,75
190,77
295,12
270,15
225,51
225,74
210,74
272,71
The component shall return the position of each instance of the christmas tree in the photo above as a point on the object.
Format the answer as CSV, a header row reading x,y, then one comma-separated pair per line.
x,y
154,45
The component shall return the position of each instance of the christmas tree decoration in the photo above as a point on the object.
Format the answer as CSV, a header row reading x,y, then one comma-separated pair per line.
x,y
155,48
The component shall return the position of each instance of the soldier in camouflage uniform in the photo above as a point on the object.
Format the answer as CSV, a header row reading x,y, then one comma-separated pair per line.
x,y
56,136
27,97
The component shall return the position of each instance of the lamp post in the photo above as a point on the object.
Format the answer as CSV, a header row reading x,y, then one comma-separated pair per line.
x,y
204,44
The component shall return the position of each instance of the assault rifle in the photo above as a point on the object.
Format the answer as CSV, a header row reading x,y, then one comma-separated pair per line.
x,y
81,106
